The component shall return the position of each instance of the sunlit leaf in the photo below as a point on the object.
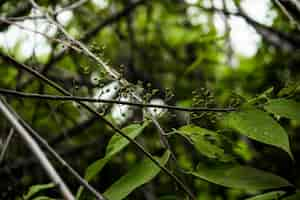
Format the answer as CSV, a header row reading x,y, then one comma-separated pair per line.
x,y
140,174
259,126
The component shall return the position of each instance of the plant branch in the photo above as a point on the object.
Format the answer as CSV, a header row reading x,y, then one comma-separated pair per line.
x,y
6,144
87,36
89,99
287,14
28,162
85,50
296,3
111,71
31,143
111,125
7,21
45,144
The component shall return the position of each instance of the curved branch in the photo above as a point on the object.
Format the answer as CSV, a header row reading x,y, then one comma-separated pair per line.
x,y
111,125
31,143
45,144
87,37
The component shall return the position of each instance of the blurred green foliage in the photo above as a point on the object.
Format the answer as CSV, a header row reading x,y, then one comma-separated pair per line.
x,y
161,47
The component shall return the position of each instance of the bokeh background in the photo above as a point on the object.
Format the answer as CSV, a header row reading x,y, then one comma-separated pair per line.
x,y
214,53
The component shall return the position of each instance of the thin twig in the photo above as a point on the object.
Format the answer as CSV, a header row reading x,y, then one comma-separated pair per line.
x,y
89,99
68,44
288,15
36,150
6,144
111,125
111,71
22,18
77,150
115,75
87,36
296,3
45,144
85,50
162,134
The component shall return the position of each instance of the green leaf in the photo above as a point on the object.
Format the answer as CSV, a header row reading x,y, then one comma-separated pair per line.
x,y
243,149
115,145
207,142
37,188
240,177
284,107
259,126
268,196
140,174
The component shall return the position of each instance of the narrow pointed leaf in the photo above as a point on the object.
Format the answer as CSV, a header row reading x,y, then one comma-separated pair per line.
x,y
115,145
37,188
207,142
140,174
284,107
240,177
259,126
